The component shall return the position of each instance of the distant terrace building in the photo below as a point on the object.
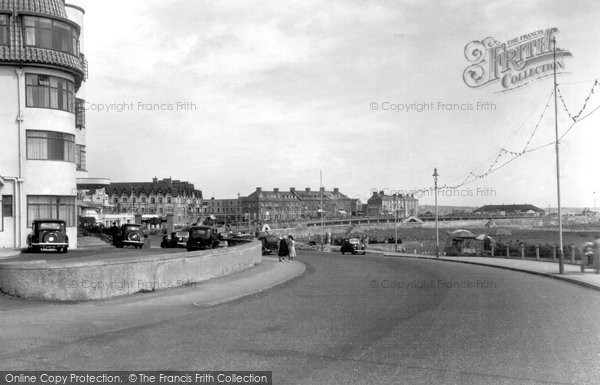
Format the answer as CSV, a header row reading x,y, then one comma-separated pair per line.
x,y
156,199
294,205
381,204
225,210
509,210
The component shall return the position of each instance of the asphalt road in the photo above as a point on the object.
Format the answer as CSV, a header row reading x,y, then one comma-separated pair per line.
x,y
348,320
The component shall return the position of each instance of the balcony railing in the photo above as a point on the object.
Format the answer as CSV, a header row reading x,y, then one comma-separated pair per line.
x,y
84,66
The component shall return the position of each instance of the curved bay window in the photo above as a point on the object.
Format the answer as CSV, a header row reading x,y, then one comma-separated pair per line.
x,y
50,145
51,207
51,34
44,91
3,29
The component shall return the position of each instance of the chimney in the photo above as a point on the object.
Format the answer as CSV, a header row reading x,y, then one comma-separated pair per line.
x,y
322,189
293,190
259,189
307,189
336,190
276,190
155,180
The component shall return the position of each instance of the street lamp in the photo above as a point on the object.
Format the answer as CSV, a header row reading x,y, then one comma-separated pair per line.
x,y
437,233
396,222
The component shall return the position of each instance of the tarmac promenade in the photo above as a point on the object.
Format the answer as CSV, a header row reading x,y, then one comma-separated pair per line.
x,y
572,273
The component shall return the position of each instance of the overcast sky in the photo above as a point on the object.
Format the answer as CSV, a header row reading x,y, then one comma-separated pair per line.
x,y
279,90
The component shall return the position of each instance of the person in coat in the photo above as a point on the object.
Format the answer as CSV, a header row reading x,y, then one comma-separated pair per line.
x,y
291,248
283,250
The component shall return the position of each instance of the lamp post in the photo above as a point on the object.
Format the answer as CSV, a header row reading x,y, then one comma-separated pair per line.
x,y
396,222
437,233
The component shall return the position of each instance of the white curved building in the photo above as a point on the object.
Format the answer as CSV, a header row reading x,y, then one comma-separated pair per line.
x,y
42,121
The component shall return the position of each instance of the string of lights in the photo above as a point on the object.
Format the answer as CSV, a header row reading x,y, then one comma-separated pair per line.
x,y
496,164
587,98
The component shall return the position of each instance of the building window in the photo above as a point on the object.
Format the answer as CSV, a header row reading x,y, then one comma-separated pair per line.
x,y
51,207
169,200
3,29
50,145
44,91
7,206
116,200
160,200
51,34
143,199
80,158
152,200
79,113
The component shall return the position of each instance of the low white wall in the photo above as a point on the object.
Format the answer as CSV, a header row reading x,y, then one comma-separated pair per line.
x,y
99,279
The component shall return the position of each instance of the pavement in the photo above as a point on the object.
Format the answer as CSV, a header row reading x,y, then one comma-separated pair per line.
x,y
572,273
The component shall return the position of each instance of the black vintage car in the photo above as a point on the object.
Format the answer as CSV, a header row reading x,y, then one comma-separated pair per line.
x,y
202,237
352,245
175,239
48,234
129,235
269,244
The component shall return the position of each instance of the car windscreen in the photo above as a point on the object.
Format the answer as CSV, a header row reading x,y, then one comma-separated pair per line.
x,y
50,226
182,234
132,228
199,233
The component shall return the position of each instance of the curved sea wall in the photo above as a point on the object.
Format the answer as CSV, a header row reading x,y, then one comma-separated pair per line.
x,y
105,278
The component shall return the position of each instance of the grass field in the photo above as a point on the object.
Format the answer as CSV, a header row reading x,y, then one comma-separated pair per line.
x,y
422,240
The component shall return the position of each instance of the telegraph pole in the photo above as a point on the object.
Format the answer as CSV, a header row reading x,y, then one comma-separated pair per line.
x,y
437,232
561,265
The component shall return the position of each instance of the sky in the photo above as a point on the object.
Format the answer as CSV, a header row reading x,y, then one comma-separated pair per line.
x,y
234,95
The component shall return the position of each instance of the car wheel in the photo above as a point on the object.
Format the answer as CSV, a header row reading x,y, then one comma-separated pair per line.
x,y
343,252
64,250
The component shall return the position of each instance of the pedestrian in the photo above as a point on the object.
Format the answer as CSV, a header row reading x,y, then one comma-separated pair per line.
x,y
114,232
283,250
291,248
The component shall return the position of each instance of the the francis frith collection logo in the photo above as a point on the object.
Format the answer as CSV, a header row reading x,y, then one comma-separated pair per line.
x,y
515,62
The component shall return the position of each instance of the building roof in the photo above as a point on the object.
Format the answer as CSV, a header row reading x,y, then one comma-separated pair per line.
x,y
166,186
17,53
508,208
47,7
294,194
379,197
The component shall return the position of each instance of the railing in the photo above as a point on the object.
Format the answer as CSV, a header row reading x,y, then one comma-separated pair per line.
x,y
84,66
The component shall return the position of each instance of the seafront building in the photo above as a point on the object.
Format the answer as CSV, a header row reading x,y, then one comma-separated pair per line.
x,y
294,205
42,121
156,199
402,205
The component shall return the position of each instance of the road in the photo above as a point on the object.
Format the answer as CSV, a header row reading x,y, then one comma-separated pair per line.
x,y
348,320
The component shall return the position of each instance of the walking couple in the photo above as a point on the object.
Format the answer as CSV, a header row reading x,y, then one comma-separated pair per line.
x,y
287,248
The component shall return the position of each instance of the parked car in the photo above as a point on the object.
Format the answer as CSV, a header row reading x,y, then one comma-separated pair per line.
x,y
129,234
175,239
202,237
48,234
352,245
269,244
